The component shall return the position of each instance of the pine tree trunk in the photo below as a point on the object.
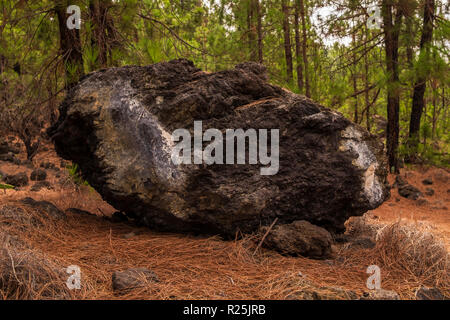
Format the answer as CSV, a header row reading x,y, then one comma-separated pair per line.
x,y
98,18
366,79
420,83
251,29
298,47
304,47
70,45
259,31
287,42
354,79
391,35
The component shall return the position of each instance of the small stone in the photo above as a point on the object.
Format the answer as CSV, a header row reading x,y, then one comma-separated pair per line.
x,y
299,238
380,294
422,201
429,192
17,180
44,206
427,181
47,165
424,293
410,192
129,235
312,292
8,157
5,148
38,175
132,278
38,186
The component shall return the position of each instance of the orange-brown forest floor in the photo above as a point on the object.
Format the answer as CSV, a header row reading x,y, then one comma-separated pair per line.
x,y
209,268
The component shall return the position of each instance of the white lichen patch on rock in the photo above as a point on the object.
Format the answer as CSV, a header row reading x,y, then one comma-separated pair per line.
x,y
352,140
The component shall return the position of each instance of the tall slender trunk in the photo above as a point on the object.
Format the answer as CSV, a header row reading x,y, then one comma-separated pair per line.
x,y
409,41
435,102
366,79
251,29
420,83
104,33
304,47
287,42
70,45
298,47
259,31
391,35
354,78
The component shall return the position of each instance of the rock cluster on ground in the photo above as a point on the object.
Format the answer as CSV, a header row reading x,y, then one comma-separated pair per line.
x,y
407,190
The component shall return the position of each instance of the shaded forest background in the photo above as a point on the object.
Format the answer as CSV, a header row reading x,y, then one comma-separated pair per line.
x,y
391,78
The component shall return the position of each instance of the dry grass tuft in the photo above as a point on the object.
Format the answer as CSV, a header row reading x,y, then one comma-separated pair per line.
x,y
415,252
28,274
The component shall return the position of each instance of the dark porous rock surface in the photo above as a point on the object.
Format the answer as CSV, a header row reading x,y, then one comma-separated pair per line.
x,y
38,175
425,293
409,191
299,238
44,206
132,278
38,186
17,180
116,124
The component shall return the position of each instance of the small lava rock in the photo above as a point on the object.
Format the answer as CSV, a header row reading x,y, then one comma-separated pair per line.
x,y
132,278
17,180
38,175
8,157
424,293
44,206
429,192
38,186
299,238
410,192
427,181
47,165
421,201
380,294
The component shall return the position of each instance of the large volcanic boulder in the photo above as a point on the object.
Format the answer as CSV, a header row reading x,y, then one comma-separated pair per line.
x,y
117,125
